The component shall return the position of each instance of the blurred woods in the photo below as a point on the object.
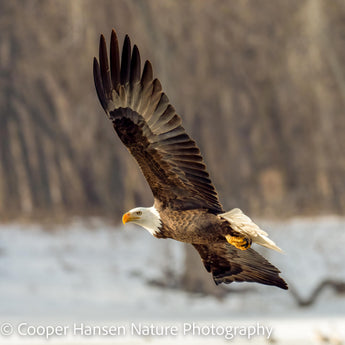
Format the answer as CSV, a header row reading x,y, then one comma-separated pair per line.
x,y
260,87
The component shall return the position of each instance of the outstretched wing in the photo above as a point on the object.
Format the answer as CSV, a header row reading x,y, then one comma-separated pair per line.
x,y
150,128
228,264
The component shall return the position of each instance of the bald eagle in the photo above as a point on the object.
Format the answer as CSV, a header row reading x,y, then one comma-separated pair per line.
x,y
186,206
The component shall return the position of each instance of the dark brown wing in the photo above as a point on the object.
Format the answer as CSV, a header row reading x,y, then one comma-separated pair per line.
x,y
228,264
150,128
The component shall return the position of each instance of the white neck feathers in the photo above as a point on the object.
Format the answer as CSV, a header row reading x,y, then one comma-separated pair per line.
x,y
151,220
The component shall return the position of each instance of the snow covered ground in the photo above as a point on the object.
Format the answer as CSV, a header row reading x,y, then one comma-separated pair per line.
x,y
83,281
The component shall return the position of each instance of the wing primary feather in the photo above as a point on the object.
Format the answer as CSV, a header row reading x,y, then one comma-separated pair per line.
x,y
185,151
98,84
115,60
163,123
190,165
174,121
173,145
135,66
147,73
160,109
176,135
105,71
134,80
125,61
191,174
186,157
146,89
157,87
181,140
154,99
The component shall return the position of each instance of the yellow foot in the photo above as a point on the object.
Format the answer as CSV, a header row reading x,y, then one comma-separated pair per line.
x,y
242,243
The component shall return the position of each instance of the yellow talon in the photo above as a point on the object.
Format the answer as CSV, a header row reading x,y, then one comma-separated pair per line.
x,y
242,243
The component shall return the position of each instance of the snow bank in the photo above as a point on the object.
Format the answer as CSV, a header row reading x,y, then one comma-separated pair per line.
x,y
90,272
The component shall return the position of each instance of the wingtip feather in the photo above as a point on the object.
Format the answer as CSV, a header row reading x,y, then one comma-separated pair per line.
x,y
115,60
135,66
98,83
147,73
125,61
104,66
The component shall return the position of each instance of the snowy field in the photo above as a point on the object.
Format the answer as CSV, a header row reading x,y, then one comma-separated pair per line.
x,y
86,283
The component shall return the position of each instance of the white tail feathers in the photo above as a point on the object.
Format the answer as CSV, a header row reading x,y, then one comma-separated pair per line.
x,y
266,242
243,224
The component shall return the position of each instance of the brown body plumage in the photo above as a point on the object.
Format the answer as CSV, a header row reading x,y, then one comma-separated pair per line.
x,y
186,206
194,226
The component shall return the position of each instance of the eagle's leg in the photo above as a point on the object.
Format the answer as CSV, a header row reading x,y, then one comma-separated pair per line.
x,y
239,242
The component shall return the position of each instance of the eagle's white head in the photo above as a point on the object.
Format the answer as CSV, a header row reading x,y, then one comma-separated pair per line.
x,y
147,217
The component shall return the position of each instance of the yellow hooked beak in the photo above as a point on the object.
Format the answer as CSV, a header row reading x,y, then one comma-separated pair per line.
x,y
128,217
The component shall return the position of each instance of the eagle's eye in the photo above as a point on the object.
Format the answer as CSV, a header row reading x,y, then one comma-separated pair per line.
x,y
139,213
